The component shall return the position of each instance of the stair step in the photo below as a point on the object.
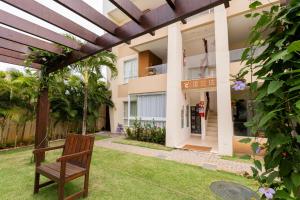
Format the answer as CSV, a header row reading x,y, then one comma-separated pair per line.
x,y
212,129
212,124
211,134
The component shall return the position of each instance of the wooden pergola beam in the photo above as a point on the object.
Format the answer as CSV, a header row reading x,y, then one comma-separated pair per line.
x,y
129,9
90,14
158,18
13,54
16,61
40,11
15,36
14,46
149,22
34,29
171,4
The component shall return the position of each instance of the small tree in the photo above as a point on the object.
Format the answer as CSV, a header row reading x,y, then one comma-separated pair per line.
x,y
91,71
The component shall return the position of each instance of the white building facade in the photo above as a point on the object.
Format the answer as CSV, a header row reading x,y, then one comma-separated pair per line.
x,y
180,78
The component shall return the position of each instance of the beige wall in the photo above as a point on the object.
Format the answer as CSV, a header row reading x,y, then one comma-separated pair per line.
x,y
147,84
159,83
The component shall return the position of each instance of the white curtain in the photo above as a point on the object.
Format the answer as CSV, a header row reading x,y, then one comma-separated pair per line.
x,y
152,106
130,70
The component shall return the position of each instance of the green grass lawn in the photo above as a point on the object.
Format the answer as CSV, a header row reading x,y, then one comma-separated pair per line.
x,y
115,175
101,137
243,158
143,144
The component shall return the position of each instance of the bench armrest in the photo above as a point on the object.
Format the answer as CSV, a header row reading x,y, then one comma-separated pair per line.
x,y
75,155
35,151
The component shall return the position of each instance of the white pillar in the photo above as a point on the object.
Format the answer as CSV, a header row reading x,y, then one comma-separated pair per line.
x,y
225,125
175,134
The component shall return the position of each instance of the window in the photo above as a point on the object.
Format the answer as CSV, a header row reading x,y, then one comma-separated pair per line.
x,y
152,106
133,111
130,70
147,108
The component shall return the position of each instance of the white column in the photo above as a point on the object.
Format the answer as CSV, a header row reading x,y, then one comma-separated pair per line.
x,y
175,134
225,125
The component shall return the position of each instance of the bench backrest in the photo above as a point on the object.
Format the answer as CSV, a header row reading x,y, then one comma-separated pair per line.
x,y
76,143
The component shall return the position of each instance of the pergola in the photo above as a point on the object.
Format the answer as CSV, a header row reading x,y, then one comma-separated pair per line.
x,y
14,45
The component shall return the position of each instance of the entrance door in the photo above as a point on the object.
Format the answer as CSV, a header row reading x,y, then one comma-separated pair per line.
x,y
195,121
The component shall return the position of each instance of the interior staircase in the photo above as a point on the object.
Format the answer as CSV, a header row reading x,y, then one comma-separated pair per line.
x,y
212,125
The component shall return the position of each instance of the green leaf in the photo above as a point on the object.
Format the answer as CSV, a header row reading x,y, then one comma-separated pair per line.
x,y
294,88
245,140
266,118
255,4
298,138
294,47
257,164
283,195
248,15
296,179
272,176
274,86
285,167
298,104
278,56
245,54
254,171
254,146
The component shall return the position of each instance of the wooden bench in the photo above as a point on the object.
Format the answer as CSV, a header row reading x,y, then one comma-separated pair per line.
x,y
74,162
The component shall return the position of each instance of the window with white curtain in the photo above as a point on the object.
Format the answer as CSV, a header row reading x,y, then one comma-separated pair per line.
x,y
133,111
130,69
151,106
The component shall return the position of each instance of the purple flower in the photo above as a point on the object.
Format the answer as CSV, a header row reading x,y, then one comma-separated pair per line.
x,y
239,85
268,192
258,150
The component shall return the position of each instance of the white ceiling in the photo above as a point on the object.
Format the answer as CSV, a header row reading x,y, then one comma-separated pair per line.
x,y
120,18
158,47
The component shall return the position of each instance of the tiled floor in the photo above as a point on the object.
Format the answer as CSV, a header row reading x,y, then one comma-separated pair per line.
x,y
207,141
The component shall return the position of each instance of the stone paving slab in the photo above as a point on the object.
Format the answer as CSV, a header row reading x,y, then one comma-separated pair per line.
x,y
204,159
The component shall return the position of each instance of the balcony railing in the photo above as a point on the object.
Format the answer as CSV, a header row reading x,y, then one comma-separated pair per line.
x,y
204,65
236,54
157,69
195,66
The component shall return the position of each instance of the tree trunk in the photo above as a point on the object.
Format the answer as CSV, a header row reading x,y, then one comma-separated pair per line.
x,y
7,132
16,135
30,127
23,133
85,102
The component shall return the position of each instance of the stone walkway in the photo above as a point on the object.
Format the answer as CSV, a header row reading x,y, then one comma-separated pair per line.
x,y
206,160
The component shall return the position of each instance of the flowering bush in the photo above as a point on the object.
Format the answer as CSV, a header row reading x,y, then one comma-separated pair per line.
x,y
276,97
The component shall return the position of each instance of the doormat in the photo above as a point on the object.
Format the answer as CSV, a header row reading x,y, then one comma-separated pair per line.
x,y
196,148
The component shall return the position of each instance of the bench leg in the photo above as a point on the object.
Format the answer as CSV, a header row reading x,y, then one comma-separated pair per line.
x,y
86,185
61,194
36,183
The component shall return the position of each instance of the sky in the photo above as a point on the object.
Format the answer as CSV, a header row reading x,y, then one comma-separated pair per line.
x,y
96,4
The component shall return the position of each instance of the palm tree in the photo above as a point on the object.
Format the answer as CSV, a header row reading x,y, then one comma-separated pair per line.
x,y
91,69
4,103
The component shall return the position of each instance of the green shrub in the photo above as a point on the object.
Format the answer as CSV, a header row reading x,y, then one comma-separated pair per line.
x,y
146,132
